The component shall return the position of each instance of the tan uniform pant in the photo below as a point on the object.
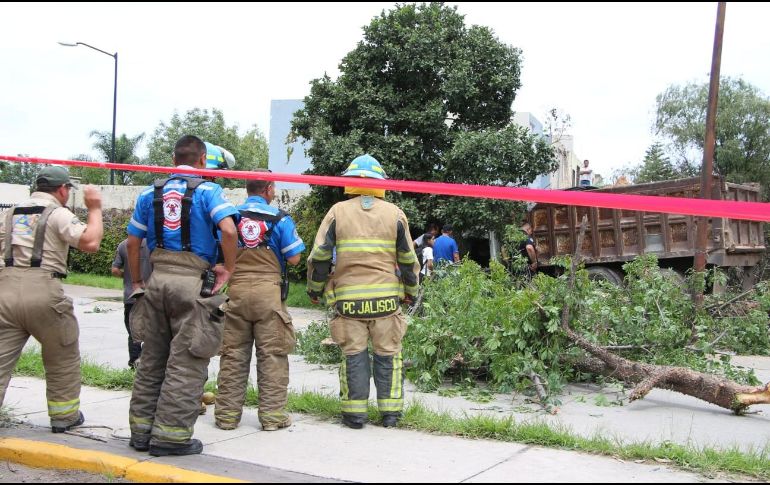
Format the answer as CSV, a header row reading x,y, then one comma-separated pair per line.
x,y
32,302
181,332
256,315
352,335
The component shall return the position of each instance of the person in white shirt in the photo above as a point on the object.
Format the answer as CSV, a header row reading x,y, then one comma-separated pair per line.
x,y
586,175
427,256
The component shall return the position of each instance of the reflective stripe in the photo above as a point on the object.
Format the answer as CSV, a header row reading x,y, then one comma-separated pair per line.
x,y
344,391
171,433
381,242
137,225
219,208
380,289
406,258
56,408
366,245
140,425
291,246
357,406
396,406
395,385
411,290
319,254
316,285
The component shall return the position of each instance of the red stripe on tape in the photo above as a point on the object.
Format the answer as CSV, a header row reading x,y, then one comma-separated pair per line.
x,y
752,211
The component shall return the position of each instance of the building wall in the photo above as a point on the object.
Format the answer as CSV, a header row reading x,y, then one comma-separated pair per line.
x,y
13,194
123,197
283,158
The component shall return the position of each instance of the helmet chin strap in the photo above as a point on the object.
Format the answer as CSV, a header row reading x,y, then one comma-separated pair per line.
x,y
365,191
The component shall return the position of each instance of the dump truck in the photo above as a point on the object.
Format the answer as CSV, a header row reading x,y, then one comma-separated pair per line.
x,y
615,236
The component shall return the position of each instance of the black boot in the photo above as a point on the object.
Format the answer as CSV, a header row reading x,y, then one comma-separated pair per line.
x,y
390,421
139,444
62,429
353,422
194,447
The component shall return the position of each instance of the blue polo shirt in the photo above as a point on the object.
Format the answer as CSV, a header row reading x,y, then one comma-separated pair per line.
x,y
444,248
284,240
209,207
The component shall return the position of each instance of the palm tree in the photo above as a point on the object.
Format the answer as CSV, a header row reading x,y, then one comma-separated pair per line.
x,y
125,149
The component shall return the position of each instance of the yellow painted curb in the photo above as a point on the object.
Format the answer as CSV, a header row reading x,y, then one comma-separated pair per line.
x,y
49,455
157,473
41,454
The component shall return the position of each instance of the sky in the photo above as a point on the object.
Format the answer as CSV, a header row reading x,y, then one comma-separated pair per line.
x,y
601,63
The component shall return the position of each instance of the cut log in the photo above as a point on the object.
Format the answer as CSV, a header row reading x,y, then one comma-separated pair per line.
x,y
710,388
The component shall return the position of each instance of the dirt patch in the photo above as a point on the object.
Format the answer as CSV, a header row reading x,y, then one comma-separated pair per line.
x,y
15,473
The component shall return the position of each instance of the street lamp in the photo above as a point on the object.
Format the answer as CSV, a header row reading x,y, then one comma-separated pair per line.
x,y
114,98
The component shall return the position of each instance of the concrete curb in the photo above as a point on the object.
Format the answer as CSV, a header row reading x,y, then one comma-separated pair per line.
x,y
41,454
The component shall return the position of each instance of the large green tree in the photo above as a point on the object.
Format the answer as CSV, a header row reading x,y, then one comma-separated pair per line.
x,y
19,173
249,150
655,167
742,151
431,99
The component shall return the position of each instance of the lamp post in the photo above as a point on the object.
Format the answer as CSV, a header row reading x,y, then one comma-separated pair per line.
x,y
114,98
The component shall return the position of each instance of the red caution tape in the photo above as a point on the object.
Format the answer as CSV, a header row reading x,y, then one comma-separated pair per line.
x,y
752,211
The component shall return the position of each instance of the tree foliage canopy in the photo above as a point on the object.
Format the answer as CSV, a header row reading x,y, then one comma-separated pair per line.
x,y
431,99
742,151
249,150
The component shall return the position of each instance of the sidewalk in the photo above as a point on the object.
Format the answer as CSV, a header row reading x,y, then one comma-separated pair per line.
x,y
317,450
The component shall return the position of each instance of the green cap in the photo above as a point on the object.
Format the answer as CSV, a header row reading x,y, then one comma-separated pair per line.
x,y
54,176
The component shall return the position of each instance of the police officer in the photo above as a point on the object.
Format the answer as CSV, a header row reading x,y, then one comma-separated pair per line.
x,y
35,237
376,267
268,241
180,326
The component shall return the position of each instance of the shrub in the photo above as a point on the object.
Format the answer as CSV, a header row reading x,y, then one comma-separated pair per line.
x,y
100,262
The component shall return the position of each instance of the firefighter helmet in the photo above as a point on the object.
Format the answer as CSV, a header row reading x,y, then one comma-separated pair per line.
x,y
365,166
217,158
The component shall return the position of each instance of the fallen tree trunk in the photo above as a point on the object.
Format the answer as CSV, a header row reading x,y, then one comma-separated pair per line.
x,y
713,389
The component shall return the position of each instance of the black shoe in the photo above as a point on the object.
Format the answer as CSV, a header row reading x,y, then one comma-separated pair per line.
x,y
62,429
194,447
353,422
139,445
389,421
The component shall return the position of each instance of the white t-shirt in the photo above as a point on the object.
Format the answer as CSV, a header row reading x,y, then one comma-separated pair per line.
x,y
586,174
427,254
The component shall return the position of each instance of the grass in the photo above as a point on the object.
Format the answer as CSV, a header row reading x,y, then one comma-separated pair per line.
x,y
754,463
297,296
98,281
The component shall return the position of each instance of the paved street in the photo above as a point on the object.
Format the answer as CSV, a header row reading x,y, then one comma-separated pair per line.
x,y
326,450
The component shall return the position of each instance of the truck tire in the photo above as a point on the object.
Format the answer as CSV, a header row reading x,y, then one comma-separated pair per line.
x,y
675,276
603,273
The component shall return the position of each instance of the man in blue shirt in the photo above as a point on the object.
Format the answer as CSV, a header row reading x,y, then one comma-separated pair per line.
x,y
257,313
181,329
445,247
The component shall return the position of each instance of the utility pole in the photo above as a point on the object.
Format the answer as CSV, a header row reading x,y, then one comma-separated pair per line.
x,y
707,171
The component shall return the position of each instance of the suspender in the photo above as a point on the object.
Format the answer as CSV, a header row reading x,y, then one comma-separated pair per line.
x,y
259,216
159,217
37,245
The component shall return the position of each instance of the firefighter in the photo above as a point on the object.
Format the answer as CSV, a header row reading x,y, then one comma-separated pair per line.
x,y
376,269
177,317
217,158
257,312
34,239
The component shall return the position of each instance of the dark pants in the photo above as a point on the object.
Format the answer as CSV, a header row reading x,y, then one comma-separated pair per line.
x,y
134,349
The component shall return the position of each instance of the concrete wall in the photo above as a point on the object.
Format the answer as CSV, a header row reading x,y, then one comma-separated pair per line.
x,y
123,197
13,193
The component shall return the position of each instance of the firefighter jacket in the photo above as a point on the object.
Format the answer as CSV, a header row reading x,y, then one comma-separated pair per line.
x,y
375,261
